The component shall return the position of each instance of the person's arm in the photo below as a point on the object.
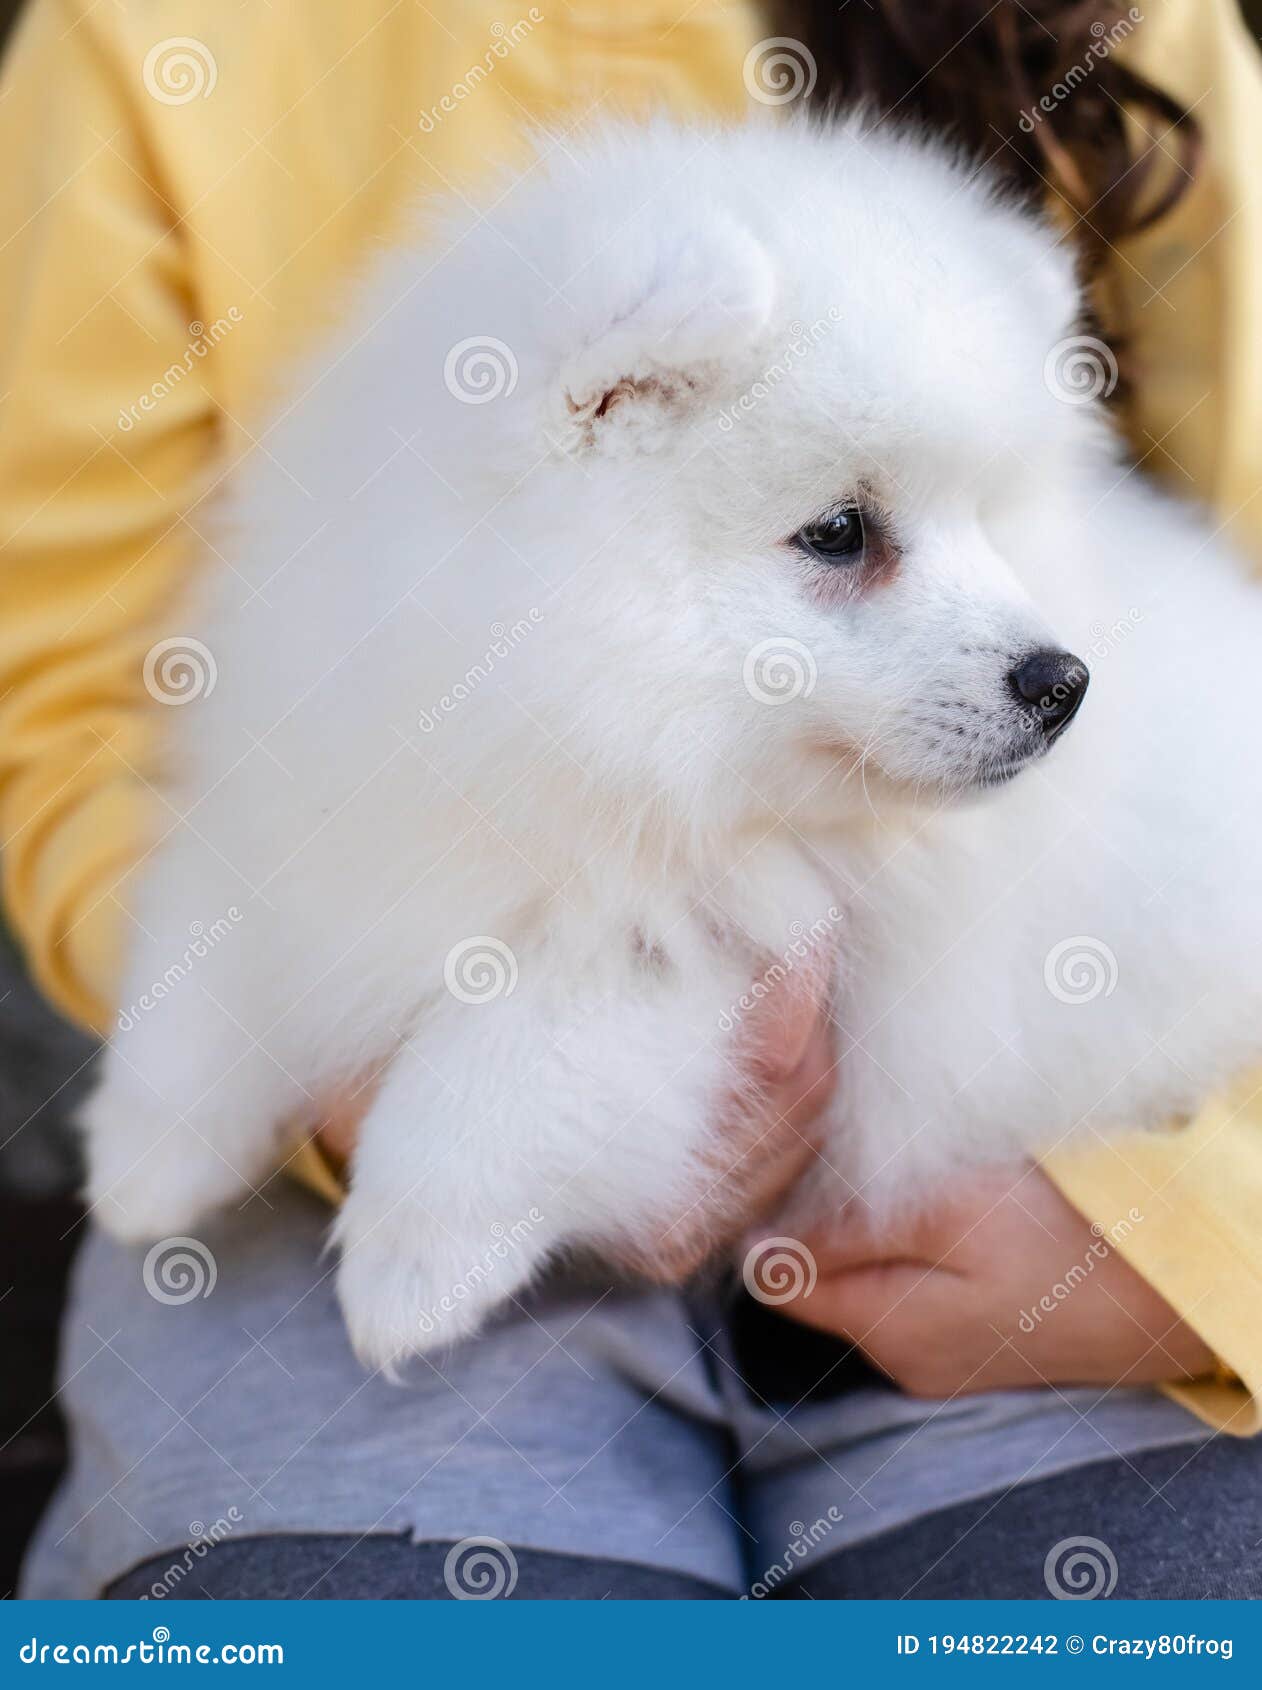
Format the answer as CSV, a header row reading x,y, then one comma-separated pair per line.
x,y
1003,1283
94,304
96,299
1198,1244
1189,294
1052,1279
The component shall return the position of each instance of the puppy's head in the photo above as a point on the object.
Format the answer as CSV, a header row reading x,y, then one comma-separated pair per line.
x,y
783,394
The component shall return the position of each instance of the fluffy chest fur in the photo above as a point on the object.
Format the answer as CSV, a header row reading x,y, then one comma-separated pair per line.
x,y
558,705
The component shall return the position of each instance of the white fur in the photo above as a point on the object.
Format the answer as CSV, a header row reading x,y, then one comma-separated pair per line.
x,y
608,799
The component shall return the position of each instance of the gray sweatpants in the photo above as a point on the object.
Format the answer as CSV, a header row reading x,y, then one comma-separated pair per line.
x,y
592,1419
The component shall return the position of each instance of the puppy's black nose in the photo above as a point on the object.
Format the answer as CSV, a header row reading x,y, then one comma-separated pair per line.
x,y
1050,685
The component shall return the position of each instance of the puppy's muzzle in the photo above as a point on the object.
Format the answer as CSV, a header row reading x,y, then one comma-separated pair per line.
x,y
1049,686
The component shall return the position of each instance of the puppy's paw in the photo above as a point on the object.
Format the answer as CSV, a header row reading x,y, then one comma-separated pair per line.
x,y
138,1194
149,1173
406,1287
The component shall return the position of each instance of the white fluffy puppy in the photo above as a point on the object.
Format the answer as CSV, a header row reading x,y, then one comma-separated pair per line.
x,y
626,597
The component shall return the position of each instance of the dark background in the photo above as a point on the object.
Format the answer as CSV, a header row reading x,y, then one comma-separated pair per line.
x,y
42,1074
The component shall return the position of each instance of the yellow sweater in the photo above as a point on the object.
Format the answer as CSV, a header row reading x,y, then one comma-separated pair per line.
x,y
190,188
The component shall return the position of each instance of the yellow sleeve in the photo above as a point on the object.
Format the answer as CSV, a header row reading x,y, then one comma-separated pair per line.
x,y
1188,291
127,219
95,301
1189,296
1198,1194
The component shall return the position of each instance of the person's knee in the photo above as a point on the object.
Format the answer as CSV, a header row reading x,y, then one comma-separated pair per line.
x,y
1167,1524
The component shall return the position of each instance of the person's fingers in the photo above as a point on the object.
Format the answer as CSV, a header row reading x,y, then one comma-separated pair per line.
x,y
783,1054
857,1304
907,1321
768,1142
853,1241
966,1219
803,1095
761,1141
338,1129
774,1039
772,1175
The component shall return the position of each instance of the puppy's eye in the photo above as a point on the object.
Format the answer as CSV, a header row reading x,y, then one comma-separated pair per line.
x,y
836,538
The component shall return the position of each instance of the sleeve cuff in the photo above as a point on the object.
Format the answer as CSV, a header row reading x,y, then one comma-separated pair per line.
x,y
310,1167
1198,1193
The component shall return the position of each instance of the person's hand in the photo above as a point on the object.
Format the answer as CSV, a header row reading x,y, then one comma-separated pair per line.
x,y
783,1075
338,1130
953,1302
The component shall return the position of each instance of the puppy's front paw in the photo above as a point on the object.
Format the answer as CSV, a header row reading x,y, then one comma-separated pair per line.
x,y
141,1194
405,1287
149,1174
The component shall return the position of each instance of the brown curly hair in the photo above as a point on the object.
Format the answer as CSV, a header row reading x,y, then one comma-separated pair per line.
x,y
1032,86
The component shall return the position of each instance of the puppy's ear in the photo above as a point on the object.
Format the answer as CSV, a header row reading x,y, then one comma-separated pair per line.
x,y
654,311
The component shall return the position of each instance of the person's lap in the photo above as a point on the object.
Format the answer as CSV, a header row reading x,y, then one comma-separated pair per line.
x,y
243,1413
1166,1523
610,1441
1177,1523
